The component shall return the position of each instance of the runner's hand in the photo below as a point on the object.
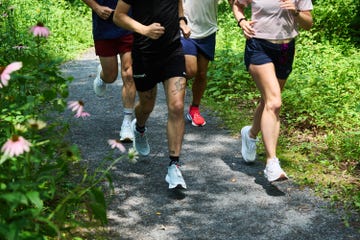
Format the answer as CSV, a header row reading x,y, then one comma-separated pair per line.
x,y
247,27
185,29
154,31
103,12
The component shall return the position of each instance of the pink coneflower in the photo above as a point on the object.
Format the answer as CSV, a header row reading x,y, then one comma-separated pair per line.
x,y
5,72
15,146
114,143
82,115
40,30
78,107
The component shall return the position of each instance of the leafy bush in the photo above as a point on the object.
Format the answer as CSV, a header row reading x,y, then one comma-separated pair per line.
x,y
323,86
336,20
44,190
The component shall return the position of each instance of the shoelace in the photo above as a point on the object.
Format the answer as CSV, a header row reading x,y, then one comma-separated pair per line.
x,y
274,166
140,138
177,172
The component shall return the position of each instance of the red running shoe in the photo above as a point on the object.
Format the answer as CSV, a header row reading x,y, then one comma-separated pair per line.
x,y
195,117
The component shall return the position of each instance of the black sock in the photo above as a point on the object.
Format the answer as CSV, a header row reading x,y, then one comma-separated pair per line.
x,y
140,129
174,160
195,105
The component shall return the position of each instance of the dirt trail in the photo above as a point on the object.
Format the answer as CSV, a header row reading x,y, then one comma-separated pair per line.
x,y
226,198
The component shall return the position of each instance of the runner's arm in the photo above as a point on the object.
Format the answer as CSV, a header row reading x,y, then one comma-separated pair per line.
x,y
121,18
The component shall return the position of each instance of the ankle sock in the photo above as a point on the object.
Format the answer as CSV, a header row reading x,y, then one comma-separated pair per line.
x,y
174,160
140,129
128,112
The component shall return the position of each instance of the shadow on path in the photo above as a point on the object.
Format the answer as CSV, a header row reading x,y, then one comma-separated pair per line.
x,y
226,198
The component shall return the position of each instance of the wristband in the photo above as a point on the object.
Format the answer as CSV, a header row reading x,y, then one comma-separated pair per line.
x,y
240,20
183,18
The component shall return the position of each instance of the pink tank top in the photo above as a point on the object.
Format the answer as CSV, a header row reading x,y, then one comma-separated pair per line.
x,y
272,22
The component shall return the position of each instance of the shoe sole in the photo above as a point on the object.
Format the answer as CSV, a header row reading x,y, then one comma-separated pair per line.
x,y
179,186
126,140
189,118
282,177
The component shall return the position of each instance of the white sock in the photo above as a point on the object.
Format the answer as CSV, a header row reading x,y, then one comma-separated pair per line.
x,y
128,112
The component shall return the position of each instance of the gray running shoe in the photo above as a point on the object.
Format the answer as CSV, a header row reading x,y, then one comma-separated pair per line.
x,y
140,141
174,177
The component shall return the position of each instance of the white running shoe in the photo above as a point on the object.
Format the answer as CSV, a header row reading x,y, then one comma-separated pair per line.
x,y
174,177
99,85
248,145
273,172
140,141
126,133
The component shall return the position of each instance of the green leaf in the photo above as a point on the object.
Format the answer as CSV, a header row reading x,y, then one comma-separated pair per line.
x,y
34,197
3,158
98,205
15,198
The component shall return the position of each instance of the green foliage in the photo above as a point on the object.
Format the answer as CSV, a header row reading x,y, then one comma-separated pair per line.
x,y
45,192
70,28
322,89
336,20
227,73
321,111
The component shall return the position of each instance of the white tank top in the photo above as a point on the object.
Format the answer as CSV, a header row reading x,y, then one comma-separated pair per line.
x,y
201,16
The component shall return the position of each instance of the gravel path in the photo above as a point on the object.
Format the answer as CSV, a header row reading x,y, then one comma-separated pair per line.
x,y
226,198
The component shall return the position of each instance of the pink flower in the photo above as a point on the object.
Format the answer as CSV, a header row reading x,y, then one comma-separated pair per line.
x,y
82,114
5,72
78,107
40,30
114,143
15,146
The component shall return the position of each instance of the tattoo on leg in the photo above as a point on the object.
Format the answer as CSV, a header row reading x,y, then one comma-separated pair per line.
x,y
179,85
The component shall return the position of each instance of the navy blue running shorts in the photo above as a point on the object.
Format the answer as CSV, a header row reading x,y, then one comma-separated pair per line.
x,y
261,51
205,45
